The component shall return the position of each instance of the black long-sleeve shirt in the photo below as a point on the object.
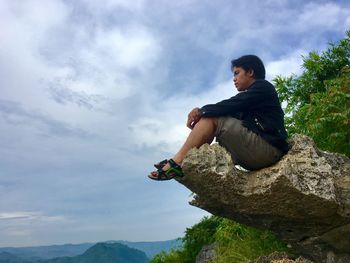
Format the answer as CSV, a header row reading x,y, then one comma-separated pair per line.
x,y
259,109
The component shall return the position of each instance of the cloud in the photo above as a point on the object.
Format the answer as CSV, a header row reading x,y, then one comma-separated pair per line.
x,y
29,216
166,129
22,225
133,47
113,4
16,215
326,15
65,95
286,65
14,114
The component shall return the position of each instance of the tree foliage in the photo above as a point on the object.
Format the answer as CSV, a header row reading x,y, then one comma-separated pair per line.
x,y
317,103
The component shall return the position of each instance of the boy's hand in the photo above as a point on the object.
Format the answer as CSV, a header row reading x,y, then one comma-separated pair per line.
x,y
193,117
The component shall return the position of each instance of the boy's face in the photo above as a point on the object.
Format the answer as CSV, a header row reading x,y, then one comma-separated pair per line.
x,y
242,78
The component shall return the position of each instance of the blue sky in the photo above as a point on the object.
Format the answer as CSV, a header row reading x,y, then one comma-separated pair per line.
x,y
92,93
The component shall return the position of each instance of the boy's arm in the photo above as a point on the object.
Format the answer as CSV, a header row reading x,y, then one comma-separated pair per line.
x,y
241,102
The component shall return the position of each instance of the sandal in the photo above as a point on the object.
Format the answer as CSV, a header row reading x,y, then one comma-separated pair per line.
x,y
173,171
161,164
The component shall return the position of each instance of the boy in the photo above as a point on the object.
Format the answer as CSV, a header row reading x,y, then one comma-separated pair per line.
x,y
250,125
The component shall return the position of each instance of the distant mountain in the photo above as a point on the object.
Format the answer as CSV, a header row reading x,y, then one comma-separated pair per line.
x,y
47,252
99,253
153,248
6,257
105,253
70,250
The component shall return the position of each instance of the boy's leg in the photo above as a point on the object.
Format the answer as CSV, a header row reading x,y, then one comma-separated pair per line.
x,y
203,132
247,148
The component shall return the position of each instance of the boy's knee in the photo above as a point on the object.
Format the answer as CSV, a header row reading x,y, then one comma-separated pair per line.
x,y
213,121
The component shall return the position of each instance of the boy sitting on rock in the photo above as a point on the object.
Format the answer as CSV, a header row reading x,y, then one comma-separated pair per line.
x,y
250,125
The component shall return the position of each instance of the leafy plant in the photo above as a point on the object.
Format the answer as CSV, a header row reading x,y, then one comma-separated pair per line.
x,y
317,102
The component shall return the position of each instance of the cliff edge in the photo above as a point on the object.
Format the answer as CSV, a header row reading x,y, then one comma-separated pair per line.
x,y
304,198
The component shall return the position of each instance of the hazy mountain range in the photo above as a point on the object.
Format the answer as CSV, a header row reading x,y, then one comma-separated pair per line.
x,y
106,252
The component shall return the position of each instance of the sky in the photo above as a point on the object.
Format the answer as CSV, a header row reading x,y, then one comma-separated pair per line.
x,y
92,93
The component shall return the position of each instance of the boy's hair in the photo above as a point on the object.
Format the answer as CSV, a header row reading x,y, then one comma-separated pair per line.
x,y
248,62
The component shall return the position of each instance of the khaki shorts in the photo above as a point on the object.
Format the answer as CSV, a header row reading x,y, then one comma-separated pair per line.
x,y
247,148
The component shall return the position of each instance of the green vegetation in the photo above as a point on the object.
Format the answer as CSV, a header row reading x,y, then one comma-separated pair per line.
x,y
239,243
318,101
234,242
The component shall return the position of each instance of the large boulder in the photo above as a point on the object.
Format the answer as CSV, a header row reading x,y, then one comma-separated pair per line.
x,y
304,198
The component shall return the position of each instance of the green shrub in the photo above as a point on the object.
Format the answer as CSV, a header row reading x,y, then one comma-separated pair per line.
x,y
318,101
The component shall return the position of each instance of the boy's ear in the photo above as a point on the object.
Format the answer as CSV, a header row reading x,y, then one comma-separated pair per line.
x,y
251,73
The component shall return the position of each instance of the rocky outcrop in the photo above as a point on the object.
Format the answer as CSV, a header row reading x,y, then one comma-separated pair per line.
x,y
304,198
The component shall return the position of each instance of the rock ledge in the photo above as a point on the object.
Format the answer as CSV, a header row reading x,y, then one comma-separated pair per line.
x,y
304,198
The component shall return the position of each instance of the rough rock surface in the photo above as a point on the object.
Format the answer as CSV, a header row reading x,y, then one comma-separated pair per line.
x,y
304,198
280,257
206,254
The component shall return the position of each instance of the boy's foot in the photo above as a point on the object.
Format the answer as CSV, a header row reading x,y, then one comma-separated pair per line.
x,y
161,164
169,170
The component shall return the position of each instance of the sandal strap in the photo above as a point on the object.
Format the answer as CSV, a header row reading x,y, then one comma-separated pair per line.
x,y
165,174
174,167
174,164
161,164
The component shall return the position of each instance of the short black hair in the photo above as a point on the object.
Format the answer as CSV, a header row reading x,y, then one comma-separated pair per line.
x,y
248,62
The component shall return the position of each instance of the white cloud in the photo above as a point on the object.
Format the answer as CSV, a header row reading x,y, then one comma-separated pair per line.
x,y
111,4
328,16
115,63
15,215
286,65
166,129
25,227
43,16
22,36
134,47
29,216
